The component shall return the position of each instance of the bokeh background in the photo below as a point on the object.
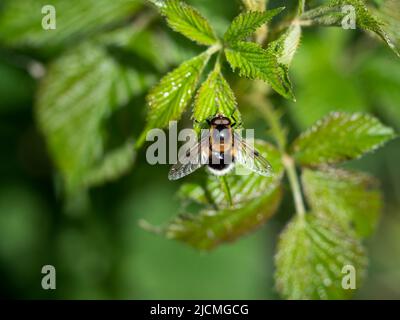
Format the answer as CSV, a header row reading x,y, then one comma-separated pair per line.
x,y
93,238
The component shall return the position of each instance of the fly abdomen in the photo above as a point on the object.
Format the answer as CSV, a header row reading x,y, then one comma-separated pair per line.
x,y
220,163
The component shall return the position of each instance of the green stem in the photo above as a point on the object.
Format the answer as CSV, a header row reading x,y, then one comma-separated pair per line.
x,y
214,48
227,190
290,167
218,62
272,117
255,5
302,6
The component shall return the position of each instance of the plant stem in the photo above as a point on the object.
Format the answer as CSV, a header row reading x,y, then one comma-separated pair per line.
x,y
289,164
255,5
302,5
272,117
218,63
258,99
214,48
277,131
227,190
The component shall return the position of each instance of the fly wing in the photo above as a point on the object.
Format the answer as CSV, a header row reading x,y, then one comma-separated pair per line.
x,y
198,156
250,158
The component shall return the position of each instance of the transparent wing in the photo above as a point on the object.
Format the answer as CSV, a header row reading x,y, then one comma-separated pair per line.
x,y
250,158
198,156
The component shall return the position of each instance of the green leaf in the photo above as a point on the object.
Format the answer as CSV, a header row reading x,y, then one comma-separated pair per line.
x,y
247,23
311,255
215,96
352,200
332,14
169,98
193,192
339,137
114,164
255,199
73,104
188,21
254,62
324,15
285,47
210,228
389,14
21,21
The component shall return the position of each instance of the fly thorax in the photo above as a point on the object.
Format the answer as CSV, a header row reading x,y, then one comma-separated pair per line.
x,y
221,139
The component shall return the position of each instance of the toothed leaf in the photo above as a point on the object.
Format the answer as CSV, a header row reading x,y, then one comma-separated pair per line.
x,y
169,98
188,21
255,199
338,12
21,21
73,105
351,199
312,253
254,62
339,137
247,23
215,96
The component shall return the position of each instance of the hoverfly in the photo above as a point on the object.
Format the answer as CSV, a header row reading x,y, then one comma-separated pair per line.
x,y
220,148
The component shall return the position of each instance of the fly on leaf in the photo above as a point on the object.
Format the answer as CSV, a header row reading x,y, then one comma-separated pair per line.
x,y
220,148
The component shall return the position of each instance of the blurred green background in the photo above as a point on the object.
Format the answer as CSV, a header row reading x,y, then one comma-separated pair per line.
x,y
93,238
